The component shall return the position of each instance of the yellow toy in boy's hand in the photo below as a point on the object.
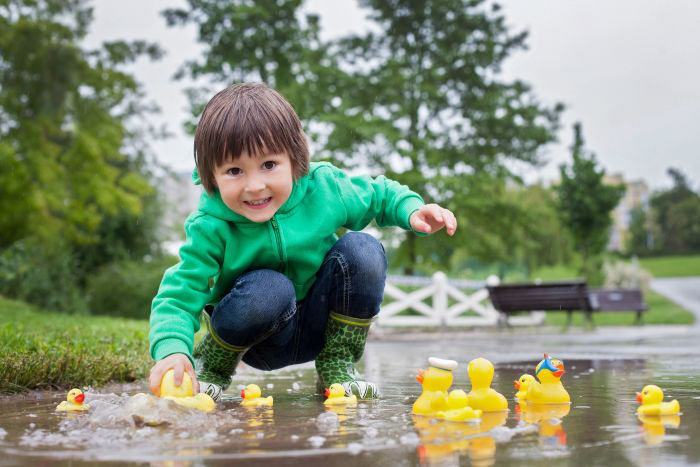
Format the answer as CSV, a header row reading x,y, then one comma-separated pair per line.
x,y
182,394
549,389
73,402
251,396
481,396
336,396
168,388
651,399
522,384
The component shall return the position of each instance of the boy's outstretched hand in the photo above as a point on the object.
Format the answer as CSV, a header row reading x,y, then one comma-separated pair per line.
x,y
431,218
178,362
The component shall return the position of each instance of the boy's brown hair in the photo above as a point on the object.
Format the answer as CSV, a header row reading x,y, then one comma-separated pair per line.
x,y
250,117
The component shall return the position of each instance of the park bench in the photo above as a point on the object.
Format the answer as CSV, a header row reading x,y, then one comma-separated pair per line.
x,y
618,300
567,296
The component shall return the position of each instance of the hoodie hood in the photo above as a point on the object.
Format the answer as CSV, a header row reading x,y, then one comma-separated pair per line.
x,y
215,206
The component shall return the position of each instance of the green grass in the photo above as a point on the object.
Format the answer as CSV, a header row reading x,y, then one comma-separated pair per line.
x,y
40,349
661,311
672,266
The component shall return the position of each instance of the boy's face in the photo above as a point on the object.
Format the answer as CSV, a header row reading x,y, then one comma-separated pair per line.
x,y
255,186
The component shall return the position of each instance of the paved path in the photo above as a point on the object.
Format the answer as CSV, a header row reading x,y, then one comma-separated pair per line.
x,y
683,290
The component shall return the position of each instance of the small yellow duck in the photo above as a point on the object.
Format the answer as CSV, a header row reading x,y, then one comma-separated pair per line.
x,y
548,390
521,384
458,407
251,397
481,396
336,396
73,402
651,399
436,381
183,394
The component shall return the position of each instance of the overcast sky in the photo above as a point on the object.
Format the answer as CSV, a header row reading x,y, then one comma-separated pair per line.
x,y
628,70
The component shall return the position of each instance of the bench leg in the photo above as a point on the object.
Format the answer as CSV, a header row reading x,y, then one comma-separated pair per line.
x,y
639,318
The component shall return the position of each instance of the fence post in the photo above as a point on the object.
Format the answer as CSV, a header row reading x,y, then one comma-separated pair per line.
x,y
440,296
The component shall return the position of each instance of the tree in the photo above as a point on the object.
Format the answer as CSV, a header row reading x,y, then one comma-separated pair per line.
x,y
63,160
676,217
260,40
418,100
640,240
585,202
425,107
73,152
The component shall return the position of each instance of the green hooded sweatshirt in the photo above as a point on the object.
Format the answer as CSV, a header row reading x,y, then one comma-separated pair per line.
x,y
221,245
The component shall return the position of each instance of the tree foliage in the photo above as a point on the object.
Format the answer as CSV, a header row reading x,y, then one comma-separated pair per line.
x,y
675,217
585,202
417,99
74,165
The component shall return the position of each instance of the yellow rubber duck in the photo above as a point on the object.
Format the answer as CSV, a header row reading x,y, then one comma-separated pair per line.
x,y
336,396
458,407
548,390
651,399
436,381
481,396
521,384
251,397
73,402
183,394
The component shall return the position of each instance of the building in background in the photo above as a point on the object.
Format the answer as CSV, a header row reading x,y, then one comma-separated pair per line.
x,y
636,195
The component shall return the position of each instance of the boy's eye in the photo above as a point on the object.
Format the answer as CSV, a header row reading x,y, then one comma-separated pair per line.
x,y
269,165
234,171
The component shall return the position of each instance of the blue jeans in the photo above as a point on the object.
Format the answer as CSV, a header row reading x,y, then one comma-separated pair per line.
x,y
261,310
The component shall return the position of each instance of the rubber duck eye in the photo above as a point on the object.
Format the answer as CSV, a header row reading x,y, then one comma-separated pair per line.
x,y
646,392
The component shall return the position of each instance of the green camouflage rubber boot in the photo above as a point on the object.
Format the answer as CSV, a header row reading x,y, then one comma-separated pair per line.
x,y
215,362
344,343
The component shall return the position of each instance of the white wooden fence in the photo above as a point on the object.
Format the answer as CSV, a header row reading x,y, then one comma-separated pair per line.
x,y
468,295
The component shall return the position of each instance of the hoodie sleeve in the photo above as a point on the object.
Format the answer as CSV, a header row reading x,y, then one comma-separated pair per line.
x,y
184,291
366,198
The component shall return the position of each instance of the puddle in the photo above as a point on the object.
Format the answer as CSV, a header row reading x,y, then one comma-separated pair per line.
x,y
600,427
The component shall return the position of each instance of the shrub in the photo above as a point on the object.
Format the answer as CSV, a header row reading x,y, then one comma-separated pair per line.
x,y
626,275
42,273
126,288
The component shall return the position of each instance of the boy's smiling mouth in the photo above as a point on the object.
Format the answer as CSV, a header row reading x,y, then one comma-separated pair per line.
x,y
258,203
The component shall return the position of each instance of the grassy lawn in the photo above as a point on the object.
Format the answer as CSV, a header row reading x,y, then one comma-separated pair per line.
x,y
40,349
672,266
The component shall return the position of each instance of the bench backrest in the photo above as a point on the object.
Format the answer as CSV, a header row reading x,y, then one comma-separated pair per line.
x,y
616,300
546,296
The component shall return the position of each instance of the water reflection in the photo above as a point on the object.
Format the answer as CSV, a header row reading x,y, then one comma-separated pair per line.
x,y
443,441
548,418
654,426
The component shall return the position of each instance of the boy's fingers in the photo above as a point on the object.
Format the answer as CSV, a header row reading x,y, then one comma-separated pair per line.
x,y
154,382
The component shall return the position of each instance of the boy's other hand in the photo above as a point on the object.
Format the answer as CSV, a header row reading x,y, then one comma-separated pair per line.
x,y
178,362
431,218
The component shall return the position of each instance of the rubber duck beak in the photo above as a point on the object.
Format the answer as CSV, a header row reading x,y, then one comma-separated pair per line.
x,y
639,397
327,393
517,384
420,376
80,398
243,393
558,373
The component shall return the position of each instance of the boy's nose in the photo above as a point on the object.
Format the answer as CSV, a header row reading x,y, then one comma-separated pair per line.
x,y
255,184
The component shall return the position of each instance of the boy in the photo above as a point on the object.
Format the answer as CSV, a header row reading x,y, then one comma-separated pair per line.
x,y
261,256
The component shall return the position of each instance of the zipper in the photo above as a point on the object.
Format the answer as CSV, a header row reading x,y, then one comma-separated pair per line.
x,y
280,246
